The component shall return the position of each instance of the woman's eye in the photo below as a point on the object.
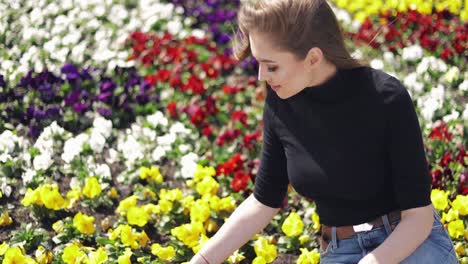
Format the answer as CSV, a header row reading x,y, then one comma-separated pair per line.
x,y
271,69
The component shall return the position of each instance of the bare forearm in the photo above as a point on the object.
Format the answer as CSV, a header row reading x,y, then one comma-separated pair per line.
x,y
247,220
411,232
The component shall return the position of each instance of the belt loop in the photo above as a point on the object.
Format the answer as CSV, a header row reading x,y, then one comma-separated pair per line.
x,y
436,214
387,224
334,240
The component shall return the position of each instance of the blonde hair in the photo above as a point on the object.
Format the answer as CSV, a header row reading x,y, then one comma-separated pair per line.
x,y
295,26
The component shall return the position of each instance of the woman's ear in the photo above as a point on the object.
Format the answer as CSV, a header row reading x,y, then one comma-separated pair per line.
x,y
313,58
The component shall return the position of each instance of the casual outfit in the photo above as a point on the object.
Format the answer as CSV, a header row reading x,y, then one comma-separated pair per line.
x,y
352,144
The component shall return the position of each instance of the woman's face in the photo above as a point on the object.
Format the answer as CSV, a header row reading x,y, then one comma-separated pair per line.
x,y
286,74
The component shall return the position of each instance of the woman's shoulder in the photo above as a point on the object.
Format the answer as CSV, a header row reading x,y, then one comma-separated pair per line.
x,y
387,85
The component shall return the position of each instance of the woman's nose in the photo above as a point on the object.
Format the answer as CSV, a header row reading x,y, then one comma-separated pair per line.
x,y
262,76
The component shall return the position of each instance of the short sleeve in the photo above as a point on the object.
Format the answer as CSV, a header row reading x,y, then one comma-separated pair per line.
x,y
409,170
271,182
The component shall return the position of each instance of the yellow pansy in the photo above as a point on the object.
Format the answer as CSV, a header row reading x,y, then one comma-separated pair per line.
x,y
440,199
113,193
452,215
264,249
164,253
227,204
308,257
316,220
126,204
72,254
73,196
14,255
259,260
460,249
201,242
236,257
211,226
92,187
165,206
207,185
293,225
456,228
171,195
128,237
202,172
43,256
5,219
200,211
461,204
125,258
143,238
31,197
3,248
51,197
84,223
303,239
58,226
188,233
98,257
151,208
188,201
151,174
137,216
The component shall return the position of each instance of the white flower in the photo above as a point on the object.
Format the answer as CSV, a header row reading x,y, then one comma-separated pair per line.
x,y
158,153
389,57
75,183
167,139
73,147
113,155
179,128
465,112
4,157
42,161
452,74
97,141
28,176
7,141
198,33
412,53
452,116
377,64
103,171
174,27
157,118
463,86
189,165
412,83
102,126
184,148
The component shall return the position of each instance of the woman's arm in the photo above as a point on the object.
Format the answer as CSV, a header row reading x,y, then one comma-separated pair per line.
x,y
413,229
247,220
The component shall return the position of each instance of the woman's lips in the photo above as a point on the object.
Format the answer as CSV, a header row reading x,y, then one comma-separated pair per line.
x,y
275,87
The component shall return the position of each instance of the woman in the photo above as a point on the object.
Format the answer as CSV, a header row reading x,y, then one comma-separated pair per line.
x,y
339,132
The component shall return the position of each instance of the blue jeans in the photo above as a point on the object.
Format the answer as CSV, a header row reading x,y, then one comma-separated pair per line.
x,y
436,249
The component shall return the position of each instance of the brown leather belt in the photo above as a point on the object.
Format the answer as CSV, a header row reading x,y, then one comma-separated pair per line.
x,y
343,232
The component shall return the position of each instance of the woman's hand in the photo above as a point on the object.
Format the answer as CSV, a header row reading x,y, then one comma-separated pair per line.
x,y
370,259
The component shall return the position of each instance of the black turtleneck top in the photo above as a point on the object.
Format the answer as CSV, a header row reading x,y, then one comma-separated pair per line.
x,y
353,144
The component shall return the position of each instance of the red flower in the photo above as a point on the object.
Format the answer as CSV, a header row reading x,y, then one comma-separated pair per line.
x,y
240,181
172,109
195,84
228,136
233,164
446,54
240,116
440,132
446,159
250,139
207,131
